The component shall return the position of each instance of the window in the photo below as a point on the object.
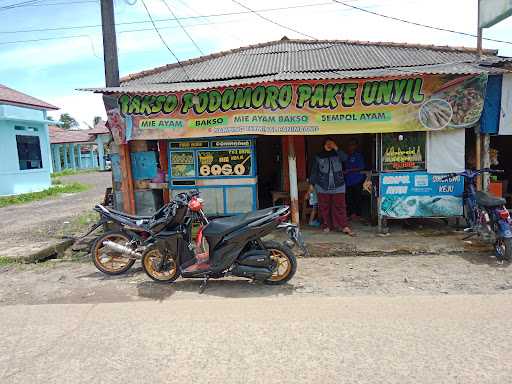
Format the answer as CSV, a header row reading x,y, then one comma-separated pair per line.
x,y
29,152
22,128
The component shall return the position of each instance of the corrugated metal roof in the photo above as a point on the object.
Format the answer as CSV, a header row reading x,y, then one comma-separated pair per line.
x,y
297,56
457,68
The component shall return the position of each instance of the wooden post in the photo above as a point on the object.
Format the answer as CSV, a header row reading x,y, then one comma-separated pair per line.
x,y
164,164
294,188
478,158
127,183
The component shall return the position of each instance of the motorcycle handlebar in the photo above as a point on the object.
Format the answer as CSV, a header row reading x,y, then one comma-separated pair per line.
x,y
472,174
185,197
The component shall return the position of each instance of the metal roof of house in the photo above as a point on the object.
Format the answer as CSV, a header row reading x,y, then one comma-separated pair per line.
x,y
304,59
460,69
11,96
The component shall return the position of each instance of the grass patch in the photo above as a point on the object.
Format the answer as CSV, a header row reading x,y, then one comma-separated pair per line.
x,y
70,171
78,225
53,191
7,261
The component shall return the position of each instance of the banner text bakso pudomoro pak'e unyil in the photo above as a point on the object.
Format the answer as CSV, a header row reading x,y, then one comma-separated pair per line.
x,y
427,102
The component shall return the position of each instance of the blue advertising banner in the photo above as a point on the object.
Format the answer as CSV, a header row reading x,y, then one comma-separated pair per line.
x,y
420,194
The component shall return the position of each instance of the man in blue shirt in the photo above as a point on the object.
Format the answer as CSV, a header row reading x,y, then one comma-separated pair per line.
x,y
354,179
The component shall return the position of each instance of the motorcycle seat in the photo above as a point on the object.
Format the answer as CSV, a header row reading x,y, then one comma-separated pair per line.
x,y
225,225
123,214
487,200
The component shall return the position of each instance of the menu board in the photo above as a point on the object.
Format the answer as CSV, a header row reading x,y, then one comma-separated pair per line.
x,y
189,144
182,164
404,151
231,143
221,163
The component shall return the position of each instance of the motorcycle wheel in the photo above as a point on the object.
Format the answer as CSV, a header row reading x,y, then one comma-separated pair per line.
x,y
150,261
286,263
504,249
111,262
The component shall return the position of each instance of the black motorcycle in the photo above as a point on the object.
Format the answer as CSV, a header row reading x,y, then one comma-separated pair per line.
x,y
116,250
230,246
222,247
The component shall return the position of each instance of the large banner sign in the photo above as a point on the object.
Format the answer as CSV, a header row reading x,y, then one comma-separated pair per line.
x,y
420,194
302,108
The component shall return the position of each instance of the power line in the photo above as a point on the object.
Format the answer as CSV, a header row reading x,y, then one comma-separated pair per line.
x,y
34,4
163,41
417,24
183,28
18,5
213,15
119,32
272,21
166,19
234,36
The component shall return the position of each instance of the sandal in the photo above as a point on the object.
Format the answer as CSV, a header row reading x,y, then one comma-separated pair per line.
x,y
348,231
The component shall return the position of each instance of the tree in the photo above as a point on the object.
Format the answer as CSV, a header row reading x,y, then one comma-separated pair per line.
x,y
67,121
96,120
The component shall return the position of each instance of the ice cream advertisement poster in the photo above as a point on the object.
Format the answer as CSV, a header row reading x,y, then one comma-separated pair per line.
x,y
420,194
409,103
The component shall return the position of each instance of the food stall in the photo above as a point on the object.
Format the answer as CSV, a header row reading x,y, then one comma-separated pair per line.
x,y
208,133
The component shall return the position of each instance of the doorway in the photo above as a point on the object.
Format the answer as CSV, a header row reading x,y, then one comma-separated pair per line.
x,y
269,159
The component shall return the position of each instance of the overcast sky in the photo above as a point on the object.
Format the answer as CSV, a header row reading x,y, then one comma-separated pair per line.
x,y
52,69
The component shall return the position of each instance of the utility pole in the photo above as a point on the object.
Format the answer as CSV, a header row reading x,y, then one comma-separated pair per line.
x,y
108,27
479,32
478,137
112,80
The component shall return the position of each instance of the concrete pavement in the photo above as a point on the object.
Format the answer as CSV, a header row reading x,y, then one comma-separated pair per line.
x,y
404,339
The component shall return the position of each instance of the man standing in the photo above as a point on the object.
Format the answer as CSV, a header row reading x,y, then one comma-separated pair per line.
x,y
327,177
354,179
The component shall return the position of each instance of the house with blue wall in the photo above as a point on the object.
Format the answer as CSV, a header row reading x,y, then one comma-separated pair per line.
x,y
25,159
79,148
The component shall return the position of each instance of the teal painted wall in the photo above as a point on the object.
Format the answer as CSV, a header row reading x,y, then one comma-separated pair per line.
x,y
15,112
12,179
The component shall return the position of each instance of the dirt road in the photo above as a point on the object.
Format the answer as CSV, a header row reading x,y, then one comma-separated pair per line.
x,y
374,340
25,226
79,282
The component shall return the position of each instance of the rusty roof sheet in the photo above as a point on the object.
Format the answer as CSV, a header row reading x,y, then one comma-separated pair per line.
x,y
458,68
11,96
296,56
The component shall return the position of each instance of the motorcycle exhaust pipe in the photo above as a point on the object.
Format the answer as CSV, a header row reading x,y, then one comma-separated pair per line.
x,y
122,249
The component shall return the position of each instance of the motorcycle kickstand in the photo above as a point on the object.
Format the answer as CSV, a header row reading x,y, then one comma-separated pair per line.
x,y
202,288
470,236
